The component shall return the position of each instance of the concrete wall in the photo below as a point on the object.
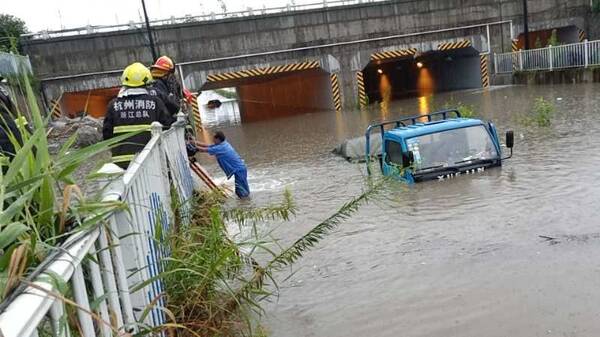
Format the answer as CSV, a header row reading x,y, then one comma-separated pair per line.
x,y
593,26
238,36
579,75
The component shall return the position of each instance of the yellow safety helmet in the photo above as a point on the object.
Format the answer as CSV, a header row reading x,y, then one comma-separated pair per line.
x,y
136,75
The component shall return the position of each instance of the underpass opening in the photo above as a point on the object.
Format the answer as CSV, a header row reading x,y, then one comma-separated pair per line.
x,y
552,36
424,74
88,102
278,91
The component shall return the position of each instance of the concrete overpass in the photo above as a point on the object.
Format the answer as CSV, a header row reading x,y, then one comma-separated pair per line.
x,y
338,48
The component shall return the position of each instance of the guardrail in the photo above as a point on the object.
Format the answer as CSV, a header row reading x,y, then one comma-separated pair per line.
x,y
198,18
573,55
106,265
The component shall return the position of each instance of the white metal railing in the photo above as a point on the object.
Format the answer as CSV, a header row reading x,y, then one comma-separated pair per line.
x,y
573,55
199,18
107,265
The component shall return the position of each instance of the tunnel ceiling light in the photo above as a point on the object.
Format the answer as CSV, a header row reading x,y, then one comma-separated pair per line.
x,y
380,71
419,64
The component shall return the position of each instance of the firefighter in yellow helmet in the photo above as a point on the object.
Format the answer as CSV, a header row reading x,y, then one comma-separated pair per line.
x,y
165,84
134,109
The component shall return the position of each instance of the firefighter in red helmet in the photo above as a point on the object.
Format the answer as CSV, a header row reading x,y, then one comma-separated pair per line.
x,y
165,85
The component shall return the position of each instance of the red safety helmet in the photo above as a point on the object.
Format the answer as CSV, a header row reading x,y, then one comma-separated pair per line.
x,y
164,63
189,96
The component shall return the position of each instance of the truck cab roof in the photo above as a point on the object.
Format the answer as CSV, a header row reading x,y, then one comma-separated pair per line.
x,y
420,128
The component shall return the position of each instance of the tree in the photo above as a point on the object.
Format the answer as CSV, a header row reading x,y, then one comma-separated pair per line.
x,y
11,28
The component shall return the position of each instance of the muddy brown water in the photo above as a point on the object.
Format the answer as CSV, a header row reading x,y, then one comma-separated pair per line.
x,y
462,257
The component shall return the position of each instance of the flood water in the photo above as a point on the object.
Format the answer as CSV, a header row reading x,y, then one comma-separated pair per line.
x,y
460,257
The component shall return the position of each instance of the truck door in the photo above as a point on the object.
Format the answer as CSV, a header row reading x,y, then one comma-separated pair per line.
x,y
392,158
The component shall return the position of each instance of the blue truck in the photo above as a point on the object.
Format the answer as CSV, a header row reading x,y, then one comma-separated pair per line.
x,y
443,146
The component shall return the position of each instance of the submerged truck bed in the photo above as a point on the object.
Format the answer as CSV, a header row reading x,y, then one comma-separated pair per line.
x,y
354,149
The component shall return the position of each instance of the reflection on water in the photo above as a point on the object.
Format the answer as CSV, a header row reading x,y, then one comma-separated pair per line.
x,y
461,257
385,89
424,105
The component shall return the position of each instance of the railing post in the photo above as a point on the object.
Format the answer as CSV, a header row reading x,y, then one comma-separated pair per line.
x,y
495,64
58,319
521,59
550,57
180,118
586,53
156,129
81,298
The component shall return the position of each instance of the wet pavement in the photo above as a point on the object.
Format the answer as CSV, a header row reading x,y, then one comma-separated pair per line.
x,y
512,251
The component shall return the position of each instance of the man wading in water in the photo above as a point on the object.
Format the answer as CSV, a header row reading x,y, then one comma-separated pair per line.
x,y
230,161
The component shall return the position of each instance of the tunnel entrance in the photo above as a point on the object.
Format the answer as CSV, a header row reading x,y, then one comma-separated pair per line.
x,y
422,74
543,38
89,102
265,95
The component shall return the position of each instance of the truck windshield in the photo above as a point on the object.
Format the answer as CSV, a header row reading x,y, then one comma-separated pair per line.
x,y
452,148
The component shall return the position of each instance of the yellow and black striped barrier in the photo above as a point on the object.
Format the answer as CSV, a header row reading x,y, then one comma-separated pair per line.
x,y
383,55
263,71
485,73
581,35
362,94
515,45
515,59
335,90
454,45
196,113
55,108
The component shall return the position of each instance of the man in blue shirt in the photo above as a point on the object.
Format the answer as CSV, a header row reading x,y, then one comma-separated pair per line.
x,y
230,162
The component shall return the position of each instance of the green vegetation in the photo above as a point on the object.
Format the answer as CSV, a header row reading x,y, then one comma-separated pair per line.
x,y
543,111
553,40
538,43
11,28
33,219
541,114
466,111
596,6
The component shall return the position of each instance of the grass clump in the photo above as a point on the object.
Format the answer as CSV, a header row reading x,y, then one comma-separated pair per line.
x,y
540,115
543,111
466,111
